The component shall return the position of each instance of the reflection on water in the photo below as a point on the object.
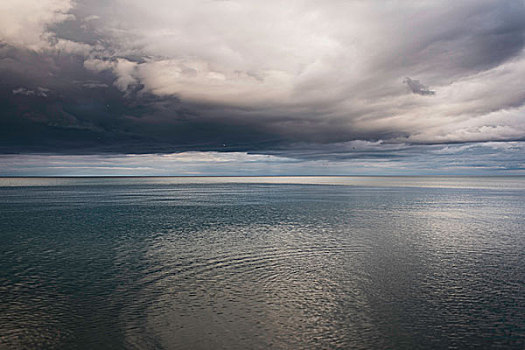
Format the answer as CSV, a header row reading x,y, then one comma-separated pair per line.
x,y
236,263
478,182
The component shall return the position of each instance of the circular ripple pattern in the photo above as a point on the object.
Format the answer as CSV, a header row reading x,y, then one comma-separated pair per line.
x,y
167,265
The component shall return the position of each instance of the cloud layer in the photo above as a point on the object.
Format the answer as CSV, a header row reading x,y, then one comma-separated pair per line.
x,y
293,78
488,158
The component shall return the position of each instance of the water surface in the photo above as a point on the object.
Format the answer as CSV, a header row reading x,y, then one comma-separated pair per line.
x,y
271,262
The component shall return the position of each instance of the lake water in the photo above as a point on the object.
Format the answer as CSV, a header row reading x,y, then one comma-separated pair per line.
x,y
262,263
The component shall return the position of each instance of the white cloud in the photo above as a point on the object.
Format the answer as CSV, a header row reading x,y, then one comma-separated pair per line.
x,y
40,91
24,23
199,81
70,46
125,70
98,65
339,63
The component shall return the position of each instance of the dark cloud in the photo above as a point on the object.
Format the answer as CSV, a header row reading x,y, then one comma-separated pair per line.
x,y
94,77
81,112
417,88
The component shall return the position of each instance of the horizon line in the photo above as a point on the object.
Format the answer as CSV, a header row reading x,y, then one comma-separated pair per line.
x,y
239,176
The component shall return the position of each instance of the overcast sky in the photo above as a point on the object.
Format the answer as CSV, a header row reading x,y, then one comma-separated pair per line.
x,y
165,87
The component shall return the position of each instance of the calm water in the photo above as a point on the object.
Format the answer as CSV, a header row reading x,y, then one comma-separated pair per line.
x,y
258,263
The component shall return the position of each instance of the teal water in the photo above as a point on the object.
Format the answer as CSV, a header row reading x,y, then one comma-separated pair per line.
x,y
260,263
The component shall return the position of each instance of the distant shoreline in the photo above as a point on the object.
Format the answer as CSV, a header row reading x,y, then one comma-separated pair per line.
x,y
230,176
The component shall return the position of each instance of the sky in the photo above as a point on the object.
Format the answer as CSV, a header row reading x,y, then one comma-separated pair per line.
x,y
176,87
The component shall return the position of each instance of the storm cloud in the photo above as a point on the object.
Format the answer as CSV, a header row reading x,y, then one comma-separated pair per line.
x,y
417,88
295,79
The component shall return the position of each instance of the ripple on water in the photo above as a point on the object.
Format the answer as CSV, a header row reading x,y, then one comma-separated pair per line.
x,y
163,265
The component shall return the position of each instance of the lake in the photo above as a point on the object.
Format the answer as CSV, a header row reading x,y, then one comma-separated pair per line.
x,y
262,262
